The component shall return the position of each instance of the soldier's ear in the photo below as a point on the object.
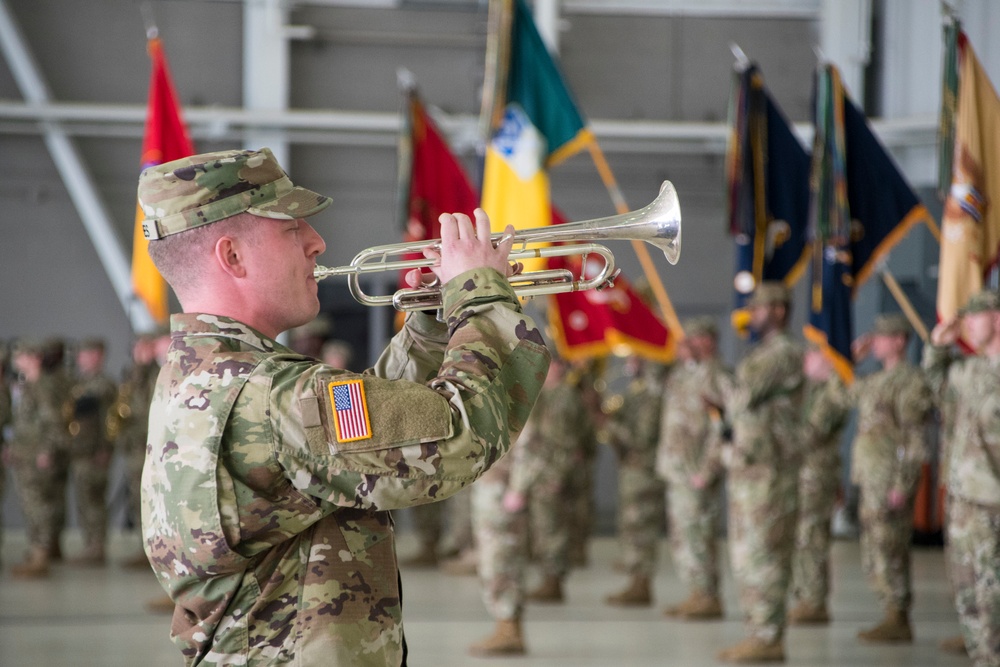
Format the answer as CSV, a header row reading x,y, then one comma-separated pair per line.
x,y
229,256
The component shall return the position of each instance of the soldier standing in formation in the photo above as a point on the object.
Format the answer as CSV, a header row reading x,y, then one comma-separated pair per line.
x,y
765,408
827,408
93,395
889,449
39,435
973,481
554,448
633,430
132,416
689,459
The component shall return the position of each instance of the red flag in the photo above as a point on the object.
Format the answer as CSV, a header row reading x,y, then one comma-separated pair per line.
x,y
595,323
438,183
166,139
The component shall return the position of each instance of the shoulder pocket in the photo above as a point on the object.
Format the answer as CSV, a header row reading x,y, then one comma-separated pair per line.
x,y
361,413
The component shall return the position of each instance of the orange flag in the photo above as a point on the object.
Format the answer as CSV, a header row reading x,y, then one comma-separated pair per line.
x,y
970,234
166,139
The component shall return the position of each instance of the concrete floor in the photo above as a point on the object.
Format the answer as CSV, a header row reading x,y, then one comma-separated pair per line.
x,y
95,617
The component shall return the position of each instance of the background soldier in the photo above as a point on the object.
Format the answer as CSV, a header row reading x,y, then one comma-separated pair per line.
x,y
38,441
765,409
554,451
93,396
689,459
973,461
827,408
889,449
633,429
132,412
5,418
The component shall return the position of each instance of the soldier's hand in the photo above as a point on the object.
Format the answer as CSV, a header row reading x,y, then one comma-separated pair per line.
x,y
514,502
947,331
465,247
698,481
43,461
861,346
896,499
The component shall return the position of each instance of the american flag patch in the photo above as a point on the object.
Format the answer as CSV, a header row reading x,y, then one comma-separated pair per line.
x,y
350,411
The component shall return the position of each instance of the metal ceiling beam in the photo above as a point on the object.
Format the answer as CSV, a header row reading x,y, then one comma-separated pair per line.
x,y
95,216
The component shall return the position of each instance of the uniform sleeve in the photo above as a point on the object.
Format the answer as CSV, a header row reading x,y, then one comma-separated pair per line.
x,y
829,411
711,464
419,433
913,405
937,362
767,376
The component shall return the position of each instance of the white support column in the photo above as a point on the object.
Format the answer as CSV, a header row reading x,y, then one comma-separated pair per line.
x,y
845,40
75,175
266,71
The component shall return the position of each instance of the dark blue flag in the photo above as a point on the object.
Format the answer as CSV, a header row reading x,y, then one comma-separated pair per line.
x,y
768,191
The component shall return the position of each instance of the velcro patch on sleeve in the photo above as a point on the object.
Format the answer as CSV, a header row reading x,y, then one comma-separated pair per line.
x,y
380,414
350,410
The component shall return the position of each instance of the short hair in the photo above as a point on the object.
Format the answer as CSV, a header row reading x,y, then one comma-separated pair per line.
x,y
178,257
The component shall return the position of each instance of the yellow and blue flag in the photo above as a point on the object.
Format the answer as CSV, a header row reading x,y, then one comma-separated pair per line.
x,y
539,125
767,173
861,207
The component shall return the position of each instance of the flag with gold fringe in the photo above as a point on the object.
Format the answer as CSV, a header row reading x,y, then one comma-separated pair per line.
x,y
614,320
166,138
768,191
861,207
970,234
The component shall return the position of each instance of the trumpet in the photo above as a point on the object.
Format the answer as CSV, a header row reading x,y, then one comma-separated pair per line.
x,y
658,223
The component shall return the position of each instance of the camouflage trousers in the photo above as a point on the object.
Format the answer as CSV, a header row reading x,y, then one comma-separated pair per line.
x,y
580,493
133,448
640,516
90,476
503,550
553,507
42,494
695,518
449,521
763,504
974,567
885,548
818,484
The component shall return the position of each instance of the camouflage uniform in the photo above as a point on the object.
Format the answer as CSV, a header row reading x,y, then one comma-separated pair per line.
x,y
765,409
135,394
827,408
90,451
634,431
40,429
689,447
502,536
561,425
5,418
973,521
888,452
265,523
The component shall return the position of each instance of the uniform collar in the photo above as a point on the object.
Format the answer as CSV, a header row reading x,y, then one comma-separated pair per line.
x,y
201,324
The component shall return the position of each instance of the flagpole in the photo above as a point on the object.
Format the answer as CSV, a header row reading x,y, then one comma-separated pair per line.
x,y
648,268
904,302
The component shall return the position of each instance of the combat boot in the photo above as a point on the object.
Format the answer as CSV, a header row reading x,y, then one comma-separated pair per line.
x,y
895,627
807,614
505,640
636,594
954,644
754,650
702,607
35,565
550,590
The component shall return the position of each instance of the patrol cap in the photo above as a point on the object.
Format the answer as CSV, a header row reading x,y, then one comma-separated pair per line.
x,y
769,292
92,344
701,326
892,324
28,346
198,190
981,302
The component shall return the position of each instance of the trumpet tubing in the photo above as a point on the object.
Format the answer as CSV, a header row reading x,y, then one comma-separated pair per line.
x,y
658,223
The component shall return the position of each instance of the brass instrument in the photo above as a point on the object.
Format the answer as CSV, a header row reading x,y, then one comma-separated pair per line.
x,y
658,223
